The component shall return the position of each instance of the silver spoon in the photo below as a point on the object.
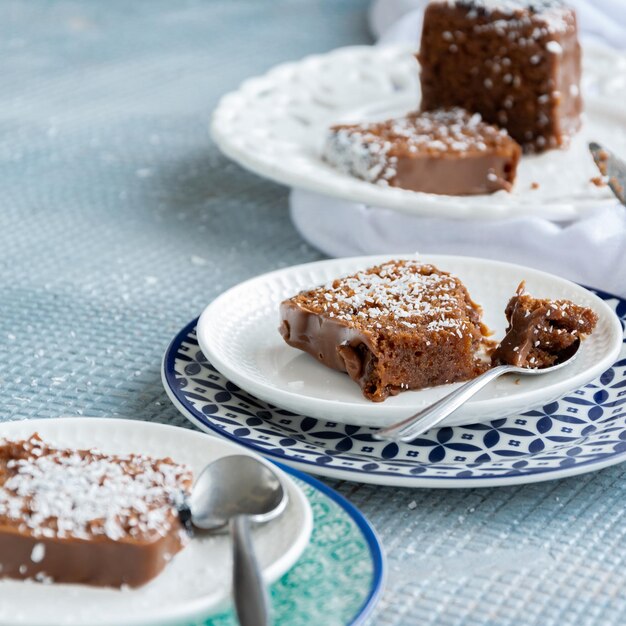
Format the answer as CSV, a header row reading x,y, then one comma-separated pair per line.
x,y
416,425
235,490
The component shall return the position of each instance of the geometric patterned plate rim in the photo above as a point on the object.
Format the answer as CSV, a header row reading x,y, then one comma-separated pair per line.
x,y
583,432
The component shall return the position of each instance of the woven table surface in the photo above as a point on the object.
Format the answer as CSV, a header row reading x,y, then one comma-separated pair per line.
x,y
120,221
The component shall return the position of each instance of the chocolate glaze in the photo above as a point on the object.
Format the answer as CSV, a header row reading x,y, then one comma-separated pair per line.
x,y
456,175
329,340
98,561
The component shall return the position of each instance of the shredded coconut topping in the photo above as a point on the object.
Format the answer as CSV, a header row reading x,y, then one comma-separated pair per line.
x,y
78,493
552,12
399,294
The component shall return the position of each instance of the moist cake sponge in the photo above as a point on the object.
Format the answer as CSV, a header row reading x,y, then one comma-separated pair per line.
x,y
541,332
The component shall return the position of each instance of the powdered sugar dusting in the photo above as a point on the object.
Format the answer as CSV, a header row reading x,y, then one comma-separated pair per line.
x,y
82,494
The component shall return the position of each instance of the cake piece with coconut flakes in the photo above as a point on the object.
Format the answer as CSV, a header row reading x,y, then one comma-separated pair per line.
x,y
396,326
448,151
81,516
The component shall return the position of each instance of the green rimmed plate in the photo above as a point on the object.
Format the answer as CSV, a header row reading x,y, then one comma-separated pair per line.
x,y
340,575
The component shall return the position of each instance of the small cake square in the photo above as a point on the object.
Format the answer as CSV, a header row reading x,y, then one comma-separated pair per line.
x,y
80,516
516,62
541,332
397,326
448,151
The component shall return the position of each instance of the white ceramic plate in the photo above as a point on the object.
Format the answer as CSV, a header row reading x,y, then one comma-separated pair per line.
x,y
275,126
238,333
198,579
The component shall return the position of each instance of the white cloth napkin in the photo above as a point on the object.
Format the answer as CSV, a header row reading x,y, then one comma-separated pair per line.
x,y
591,250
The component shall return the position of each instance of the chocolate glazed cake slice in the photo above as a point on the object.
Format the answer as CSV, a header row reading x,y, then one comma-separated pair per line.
x,y
80,516
397,326
448,151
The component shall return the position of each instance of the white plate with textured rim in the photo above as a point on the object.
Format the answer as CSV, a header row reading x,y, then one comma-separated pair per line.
x,y
198,579
274,125
238,333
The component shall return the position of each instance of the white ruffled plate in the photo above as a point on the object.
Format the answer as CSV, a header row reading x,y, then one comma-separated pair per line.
x,y
275,126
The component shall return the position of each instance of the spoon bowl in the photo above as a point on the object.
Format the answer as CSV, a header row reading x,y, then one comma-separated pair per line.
x,y
236,485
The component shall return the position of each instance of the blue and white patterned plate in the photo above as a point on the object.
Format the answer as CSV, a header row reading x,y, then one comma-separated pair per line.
x,y
582,432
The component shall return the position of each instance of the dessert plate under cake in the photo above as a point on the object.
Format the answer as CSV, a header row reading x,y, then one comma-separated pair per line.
x,y
583,432
198,578
275,125
239,334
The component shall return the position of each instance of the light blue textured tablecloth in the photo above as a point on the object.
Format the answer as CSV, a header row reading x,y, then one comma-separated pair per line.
x,y
120,221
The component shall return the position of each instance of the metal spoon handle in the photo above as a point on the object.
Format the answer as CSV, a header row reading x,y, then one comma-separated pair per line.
x,y
411,427
250,595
